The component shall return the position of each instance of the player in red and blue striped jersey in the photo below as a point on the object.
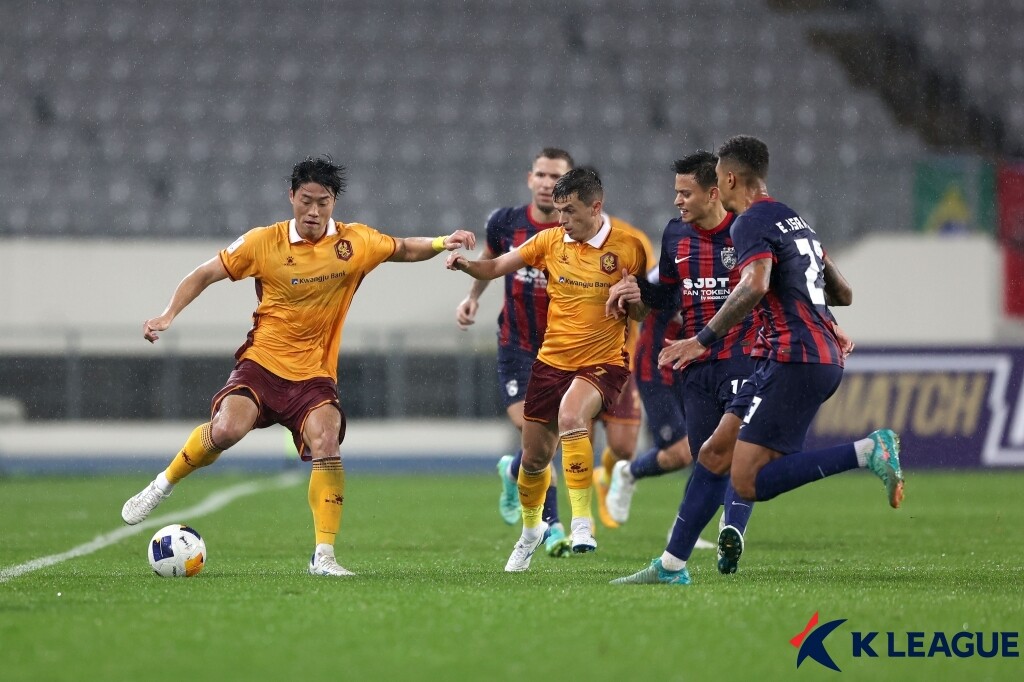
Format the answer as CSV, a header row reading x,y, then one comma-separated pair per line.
x,y
522,322
696,273
788,278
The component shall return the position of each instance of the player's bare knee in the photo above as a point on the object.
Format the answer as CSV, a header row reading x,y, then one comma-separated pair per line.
x,y
714,459
226,433
567,421
744,484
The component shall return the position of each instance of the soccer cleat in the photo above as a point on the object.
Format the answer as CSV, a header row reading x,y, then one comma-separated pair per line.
x,y
323,563
582,534
523,552
601,486
138,507
620,492
555,542
884,461
730,547
655,574
508,501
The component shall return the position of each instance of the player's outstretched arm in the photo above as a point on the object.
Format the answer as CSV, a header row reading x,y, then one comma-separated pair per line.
x,y
838,291
187,291
415,249
465,313
753,285
487,269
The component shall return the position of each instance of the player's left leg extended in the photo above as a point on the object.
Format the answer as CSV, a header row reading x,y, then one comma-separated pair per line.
x,y
326,487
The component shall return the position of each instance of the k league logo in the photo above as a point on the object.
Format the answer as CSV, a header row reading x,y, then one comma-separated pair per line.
x,y
811,642
870,644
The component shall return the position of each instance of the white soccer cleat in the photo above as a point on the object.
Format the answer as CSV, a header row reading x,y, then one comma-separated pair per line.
x,y
582,535
138,507
523,551
323,563
620,492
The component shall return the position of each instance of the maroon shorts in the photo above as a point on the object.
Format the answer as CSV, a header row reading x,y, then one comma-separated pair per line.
x,y
281,401
626,408
548,385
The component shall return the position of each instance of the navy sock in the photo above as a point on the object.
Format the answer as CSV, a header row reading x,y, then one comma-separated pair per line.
x,y
646,464
737,510
703,496
550,514
792,471
513,469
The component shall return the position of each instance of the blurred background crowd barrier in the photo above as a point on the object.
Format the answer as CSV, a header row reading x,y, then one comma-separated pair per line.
x,y
141,137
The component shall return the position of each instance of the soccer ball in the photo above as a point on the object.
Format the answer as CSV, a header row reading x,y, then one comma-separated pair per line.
x,y
177,551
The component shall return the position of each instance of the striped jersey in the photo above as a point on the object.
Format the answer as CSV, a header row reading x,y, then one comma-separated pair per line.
x,y
579,334
703,265
795,321
658,326
304,291
523,316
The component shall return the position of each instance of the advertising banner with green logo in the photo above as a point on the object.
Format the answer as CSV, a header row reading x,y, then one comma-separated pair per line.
x,y
954,195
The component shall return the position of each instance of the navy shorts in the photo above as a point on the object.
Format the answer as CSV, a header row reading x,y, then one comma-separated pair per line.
x,y
709,388
666,416
780,400
514,366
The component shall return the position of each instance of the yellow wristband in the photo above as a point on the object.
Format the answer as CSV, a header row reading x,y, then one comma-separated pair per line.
x,y
438,243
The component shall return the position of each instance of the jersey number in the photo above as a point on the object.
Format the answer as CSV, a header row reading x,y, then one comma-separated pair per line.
x,y
812,249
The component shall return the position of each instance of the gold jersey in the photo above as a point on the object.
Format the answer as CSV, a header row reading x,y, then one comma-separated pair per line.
x,y
579,333
304,292
633,333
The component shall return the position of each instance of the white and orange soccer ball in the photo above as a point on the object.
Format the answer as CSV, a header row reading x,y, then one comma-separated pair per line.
x,y
177,551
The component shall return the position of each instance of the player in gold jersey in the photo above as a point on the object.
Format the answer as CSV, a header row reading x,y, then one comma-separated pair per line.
x,y
582,365
307,270
622,420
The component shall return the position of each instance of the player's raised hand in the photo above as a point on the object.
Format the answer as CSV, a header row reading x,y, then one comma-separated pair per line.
x,y
150,328
465,314
460,239
621,294
681,352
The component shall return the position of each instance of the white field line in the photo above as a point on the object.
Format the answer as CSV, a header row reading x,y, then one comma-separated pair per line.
x,y
214,502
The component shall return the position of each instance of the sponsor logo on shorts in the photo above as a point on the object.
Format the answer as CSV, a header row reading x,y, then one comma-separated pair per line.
x,y
512,387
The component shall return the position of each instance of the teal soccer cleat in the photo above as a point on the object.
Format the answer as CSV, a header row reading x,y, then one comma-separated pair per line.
x,y
884,461
556,544
730,547
655,574
508,502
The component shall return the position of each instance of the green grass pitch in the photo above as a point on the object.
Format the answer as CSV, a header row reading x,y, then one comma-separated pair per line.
x,y
431,600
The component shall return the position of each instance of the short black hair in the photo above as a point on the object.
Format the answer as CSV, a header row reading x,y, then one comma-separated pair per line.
x,y
591,169
749,152
323,171
556,153
582,182
701,165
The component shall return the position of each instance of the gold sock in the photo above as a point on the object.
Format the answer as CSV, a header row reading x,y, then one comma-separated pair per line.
x,y
327,498
532,489
199,451
577,465
608,460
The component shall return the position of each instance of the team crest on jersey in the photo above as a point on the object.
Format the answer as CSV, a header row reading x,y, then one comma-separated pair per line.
x,y
729,257
343,248
289,261
609,262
